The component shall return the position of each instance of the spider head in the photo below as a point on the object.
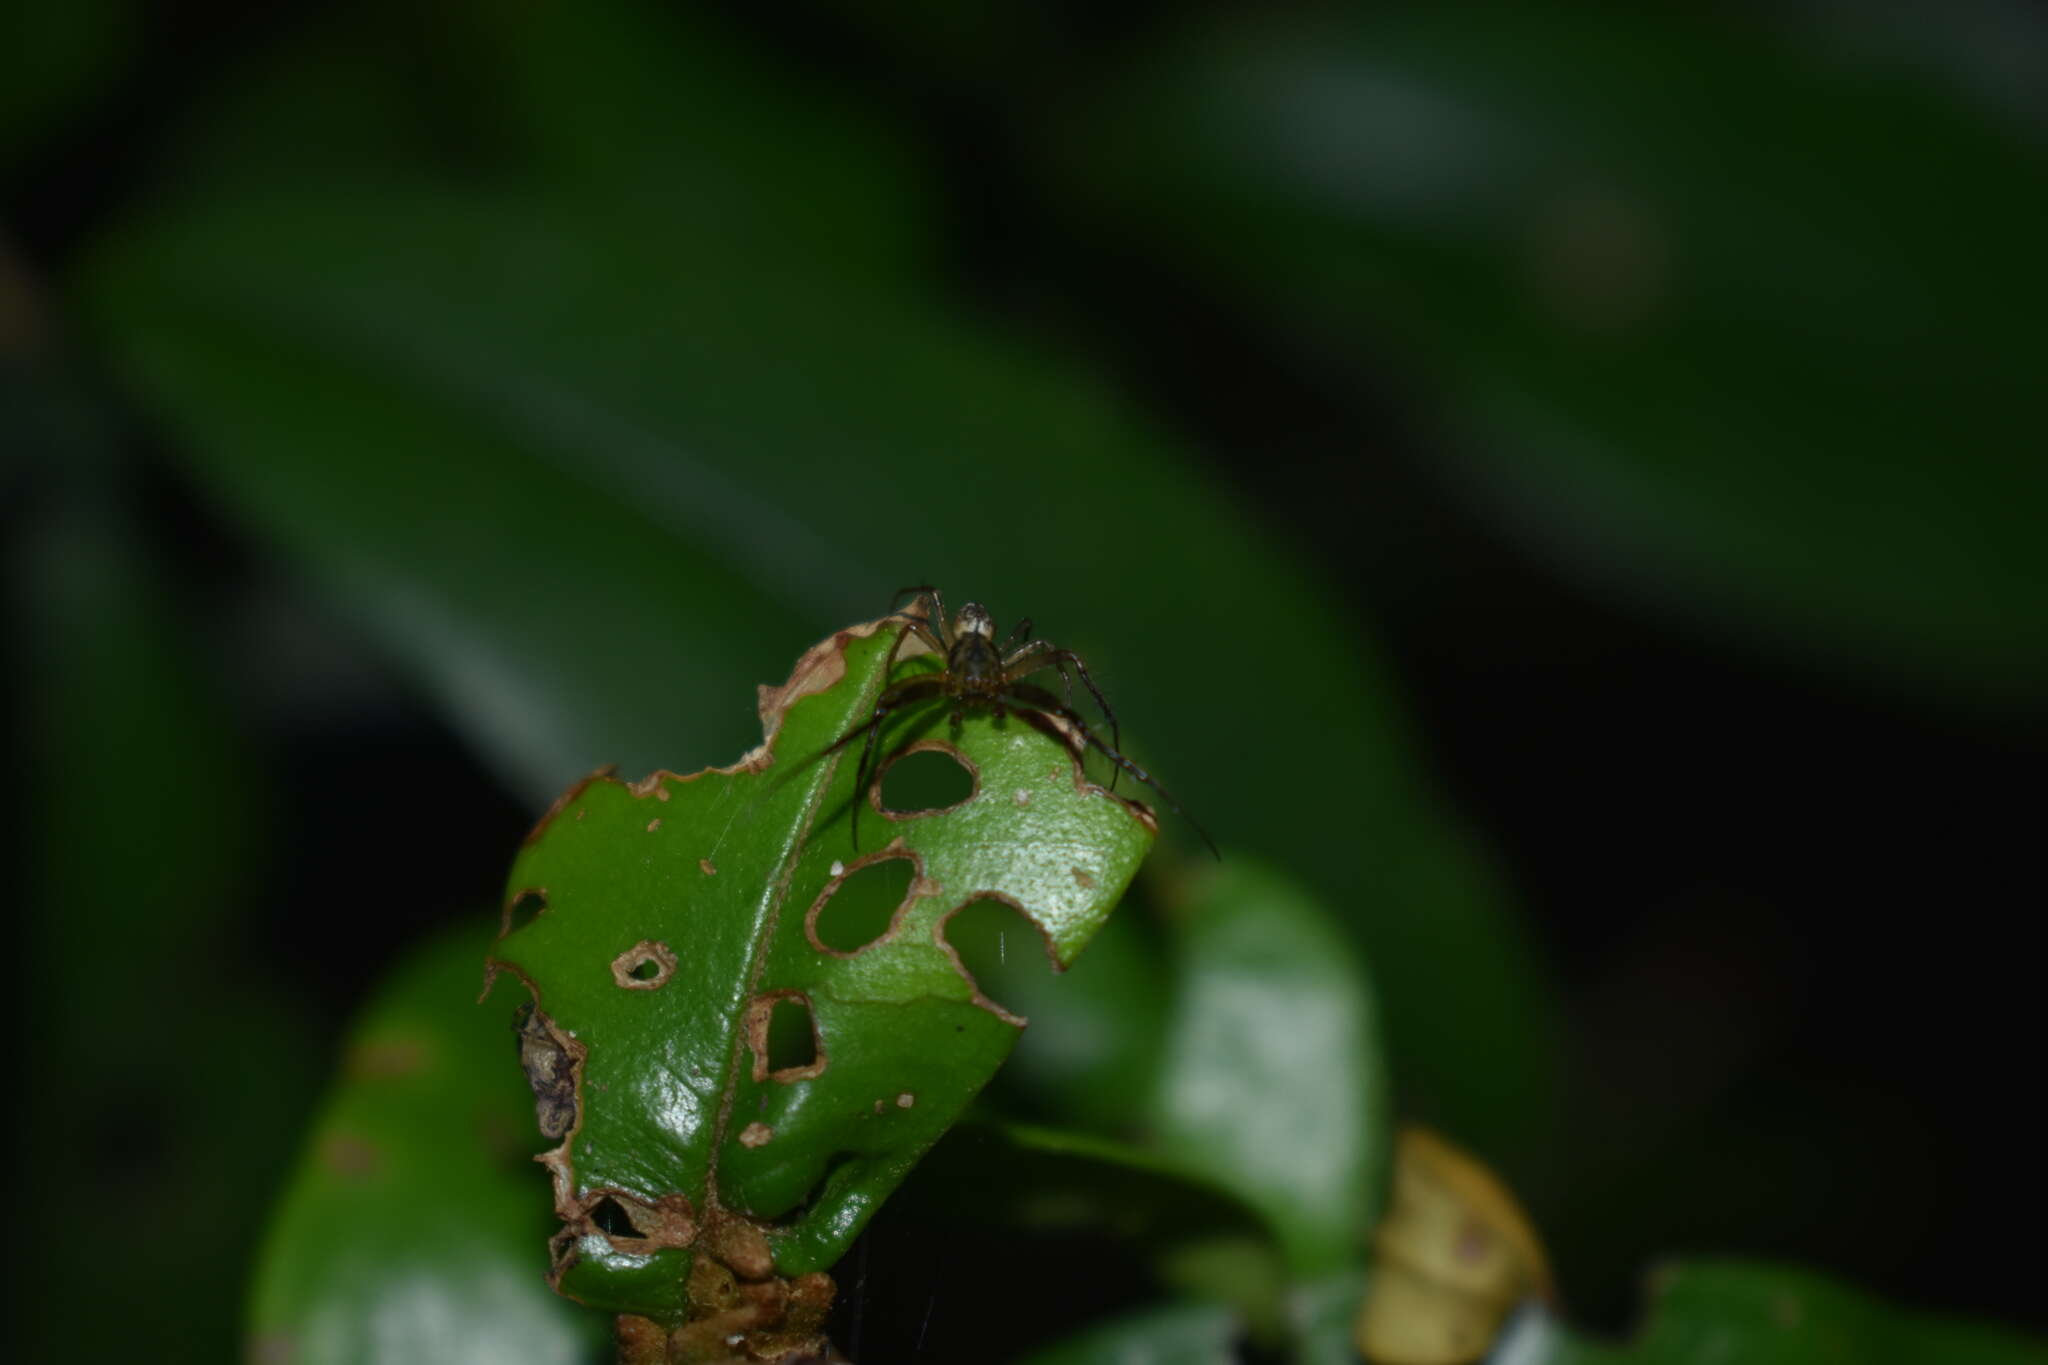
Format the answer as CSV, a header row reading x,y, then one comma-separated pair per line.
x,y
974,620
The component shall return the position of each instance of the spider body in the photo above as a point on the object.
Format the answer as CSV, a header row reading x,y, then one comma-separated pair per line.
x,y
980,675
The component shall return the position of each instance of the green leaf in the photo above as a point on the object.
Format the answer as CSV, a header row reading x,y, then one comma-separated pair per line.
x,y
668,114
582,467
1321,1316
1098,1033
1273,1084
414,1230
743,1031
140,837
1170,1334
1268,1089
1720,322
1711,1311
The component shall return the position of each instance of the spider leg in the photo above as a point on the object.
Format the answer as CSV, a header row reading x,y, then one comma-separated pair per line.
x,y
939,636
1039,706
1019,633
1051,656
909,692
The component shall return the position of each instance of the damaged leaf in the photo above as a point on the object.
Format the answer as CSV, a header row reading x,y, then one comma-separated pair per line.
x,y
745,1030
406,1235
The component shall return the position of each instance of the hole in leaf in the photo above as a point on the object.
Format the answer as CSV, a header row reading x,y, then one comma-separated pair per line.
x,y
925,780
835,1168
783,1036
646,966
858,911
792,1044
608,1216
522,910
993,940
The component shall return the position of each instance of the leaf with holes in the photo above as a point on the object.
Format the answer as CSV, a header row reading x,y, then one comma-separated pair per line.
x,y
406,1234
744,1030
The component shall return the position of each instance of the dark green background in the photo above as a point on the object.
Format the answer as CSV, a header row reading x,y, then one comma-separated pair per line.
x,y
1566,486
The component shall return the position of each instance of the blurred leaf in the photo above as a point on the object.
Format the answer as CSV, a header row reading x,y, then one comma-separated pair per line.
x,y
1270,1088
140,837
54,60
1453,1256
1056,1180
1205,1240
345,92
1722,322
680,1115
1098,1032
665,113
1320,1316
587,472
1714,1311
1171,1334
1273,1083
415,1230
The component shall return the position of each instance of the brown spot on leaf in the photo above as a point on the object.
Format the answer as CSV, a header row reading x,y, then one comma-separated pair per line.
x,y
646,966
654,784
740,1244
272,1348
640,1341
821,666
626,1221
567,799
654,824
707,867
905,1100
1083,880
551,1060
756,1135
386,1059
767,1320
350,1156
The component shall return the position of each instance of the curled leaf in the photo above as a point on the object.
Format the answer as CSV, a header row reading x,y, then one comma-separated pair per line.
x,y
1453,1256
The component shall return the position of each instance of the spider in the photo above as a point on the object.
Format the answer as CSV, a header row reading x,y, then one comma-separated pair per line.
x,y
981,675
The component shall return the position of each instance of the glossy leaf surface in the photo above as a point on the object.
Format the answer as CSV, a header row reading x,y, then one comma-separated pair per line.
x,y
751,1059
630,427
413,1230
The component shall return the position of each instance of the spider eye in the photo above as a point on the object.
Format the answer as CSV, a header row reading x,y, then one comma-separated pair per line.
x,y
974,620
